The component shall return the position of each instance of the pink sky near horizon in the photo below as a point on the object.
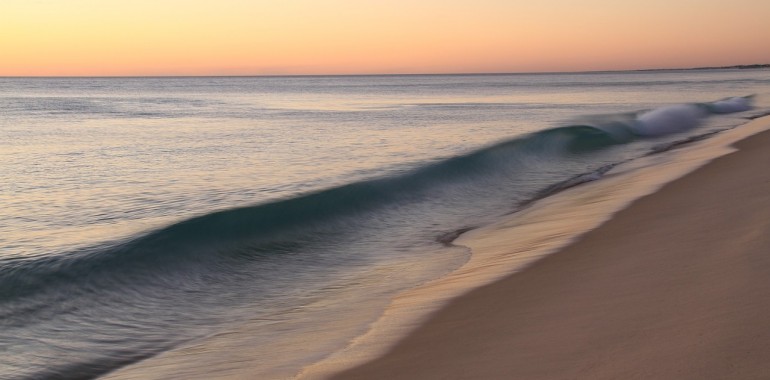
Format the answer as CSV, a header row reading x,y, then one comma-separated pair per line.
x,y
242,37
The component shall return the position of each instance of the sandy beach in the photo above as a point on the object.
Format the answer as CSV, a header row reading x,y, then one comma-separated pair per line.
x,y
673,287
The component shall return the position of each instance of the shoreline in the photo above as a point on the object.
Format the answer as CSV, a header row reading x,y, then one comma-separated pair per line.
x,y
495,258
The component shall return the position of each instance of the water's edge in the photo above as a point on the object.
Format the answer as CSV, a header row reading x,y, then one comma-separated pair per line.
x,y
531,232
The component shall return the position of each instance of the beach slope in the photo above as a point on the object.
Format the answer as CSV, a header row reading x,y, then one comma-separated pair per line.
x,y
675,286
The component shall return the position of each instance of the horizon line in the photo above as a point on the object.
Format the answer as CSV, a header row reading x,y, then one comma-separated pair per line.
x,y
738,67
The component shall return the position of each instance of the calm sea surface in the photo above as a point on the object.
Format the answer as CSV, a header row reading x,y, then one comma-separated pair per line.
x,y
141,216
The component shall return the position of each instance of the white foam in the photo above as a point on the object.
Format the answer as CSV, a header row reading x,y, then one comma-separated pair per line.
x,y
729,105
667,120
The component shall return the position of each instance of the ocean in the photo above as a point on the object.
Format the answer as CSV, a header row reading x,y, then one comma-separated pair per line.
x,y
206,227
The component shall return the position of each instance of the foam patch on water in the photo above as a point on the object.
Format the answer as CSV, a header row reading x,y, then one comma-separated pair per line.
x,y
730,105
668,120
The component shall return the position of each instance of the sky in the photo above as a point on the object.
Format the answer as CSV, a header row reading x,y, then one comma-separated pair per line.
x,y
280,37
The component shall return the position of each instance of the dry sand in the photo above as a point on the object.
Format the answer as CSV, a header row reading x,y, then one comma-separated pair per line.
x,y
676,286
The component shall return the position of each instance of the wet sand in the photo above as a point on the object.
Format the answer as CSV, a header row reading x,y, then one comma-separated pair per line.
x,y
675,286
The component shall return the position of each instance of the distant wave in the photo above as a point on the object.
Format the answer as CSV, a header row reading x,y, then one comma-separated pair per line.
x,y
730,105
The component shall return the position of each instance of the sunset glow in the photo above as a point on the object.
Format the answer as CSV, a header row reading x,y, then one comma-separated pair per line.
x,y
242,37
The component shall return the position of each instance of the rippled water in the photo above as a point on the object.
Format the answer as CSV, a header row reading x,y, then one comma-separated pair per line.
x,y
140,215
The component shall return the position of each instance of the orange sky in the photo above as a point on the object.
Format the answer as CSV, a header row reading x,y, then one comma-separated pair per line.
x,y
258,37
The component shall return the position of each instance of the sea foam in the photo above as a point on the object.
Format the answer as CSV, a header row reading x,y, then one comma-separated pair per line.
x,y
667,120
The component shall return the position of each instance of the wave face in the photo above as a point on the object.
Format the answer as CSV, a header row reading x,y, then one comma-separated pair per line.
x,y
668,120
730,105
117,303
